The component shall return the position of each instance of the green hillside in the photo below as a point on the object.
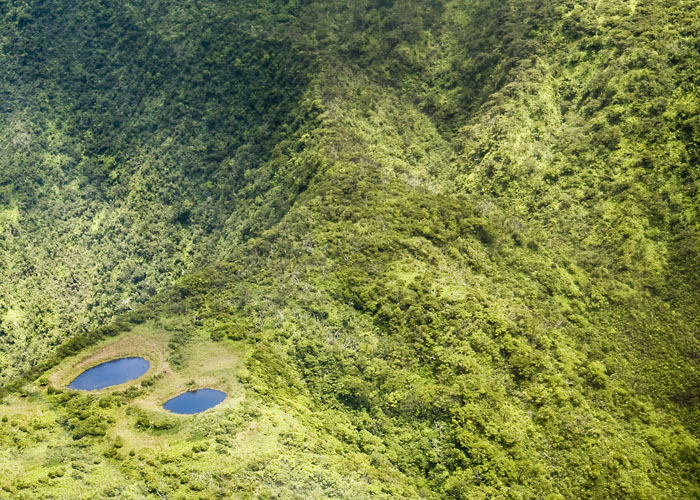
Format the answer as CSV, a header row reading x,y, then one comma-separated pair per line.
x,y
435,250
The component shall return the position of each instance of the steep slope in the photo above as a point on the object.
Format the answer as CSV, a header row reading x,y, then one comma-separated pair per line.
x,y
481,283
133,138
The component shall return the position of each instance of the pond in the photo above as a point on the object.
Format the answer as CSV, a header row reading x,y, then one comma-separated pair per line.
x,y
197,401
111,373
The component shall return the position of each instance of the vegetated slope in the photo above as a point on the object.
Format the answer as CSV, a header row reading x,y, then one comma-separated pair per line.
x,y
133,137
487,289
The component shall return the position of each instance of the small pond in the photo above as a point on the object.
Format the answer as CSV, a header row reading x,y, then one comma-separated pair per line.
x,y
197,401
110,373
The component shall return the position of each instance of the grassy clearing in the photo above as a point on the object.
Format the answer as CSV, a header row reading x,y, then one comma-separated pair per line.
x,y
203,363
151,347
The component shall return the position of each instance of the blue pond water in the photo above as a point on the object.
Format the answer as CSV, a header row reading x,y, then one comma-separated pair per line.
x,y
191,402
110,373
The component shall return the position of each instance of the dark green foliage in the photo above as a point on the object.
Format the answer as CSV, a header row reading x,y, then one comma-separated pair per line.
x,y
82,416
155,422
155,152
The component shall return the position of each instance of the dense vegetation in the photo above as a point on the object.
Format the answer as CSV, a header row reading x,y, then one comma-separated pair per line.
x,y
454,243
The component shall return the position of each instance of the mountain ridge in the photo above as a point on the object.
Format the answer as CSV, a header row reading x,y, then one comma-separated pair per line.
x,y
464,270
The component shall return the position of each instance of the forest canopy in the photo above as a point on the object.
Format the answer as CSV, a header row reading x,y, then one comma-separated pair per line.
x,y
431,249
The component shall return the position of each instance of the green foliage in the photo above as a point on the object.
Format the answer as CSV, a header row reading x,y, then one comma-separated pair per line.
x,y
457,241
155,422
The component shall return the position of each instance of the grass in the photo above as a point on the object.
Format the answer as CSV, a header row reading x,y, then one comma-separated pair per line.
x,y
147,345
205,364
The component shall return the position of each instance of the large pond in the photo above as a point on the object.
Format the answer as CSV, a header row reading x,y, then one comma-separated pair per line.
x,y
110,373
197,401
